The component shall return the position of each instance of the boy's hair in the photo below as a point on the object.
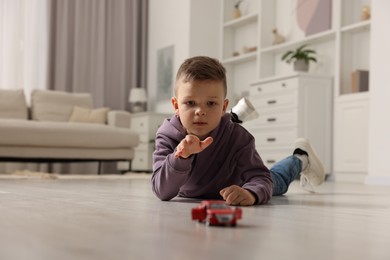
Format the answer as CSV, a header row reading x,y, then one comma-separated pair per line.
x,y
201,68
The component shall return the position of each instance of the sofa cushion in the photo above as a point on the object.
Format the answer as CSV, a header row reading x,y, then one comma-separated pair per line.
x,y
119,118
28,133
85,115
13,104
49,105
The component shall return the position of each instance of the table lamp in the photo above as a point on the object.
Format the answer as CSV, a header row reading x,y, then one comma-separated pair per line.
x,y
137,100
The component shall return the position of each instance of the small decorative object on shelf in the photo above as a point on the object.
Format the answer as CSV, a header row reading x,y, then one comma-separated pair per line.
x,y
301,57
366,13
246,49
236,53
237,11
216,213
278,38
359,81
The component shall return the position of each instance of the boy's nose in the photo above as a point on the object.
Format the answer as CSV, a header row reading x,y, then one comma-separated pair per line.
x,y
200,111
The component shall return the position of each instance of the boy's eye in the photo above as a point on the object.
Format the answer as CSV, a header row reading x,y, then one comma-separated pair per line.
x,y
190,103
211,103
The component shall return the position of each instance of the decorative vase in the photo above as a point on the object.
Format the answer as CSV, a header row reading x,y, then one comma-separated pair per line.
x,y
236,13
301,65
366,13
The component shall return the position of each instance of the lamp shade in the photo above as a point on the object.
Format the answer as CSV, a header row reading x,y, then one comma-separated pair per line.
x,y
137,95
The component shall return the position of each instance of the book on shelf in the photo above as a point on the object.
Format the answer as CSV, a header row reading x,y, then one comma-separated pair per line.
x,y
359,81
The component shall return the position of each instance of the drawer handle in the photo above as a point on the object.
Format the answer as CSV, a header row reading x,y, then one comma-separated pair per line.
x,y
284,85
271,161
259,89
270,102
271,139
271,119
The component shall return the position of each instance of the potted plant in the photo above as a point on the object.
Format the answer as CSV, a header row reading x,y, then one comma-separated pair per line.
x,y
301,57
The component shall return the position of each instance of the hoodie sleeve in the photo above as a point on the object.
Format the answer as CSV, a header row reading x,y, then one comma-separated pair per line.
x,y
255,176
169,173
258,179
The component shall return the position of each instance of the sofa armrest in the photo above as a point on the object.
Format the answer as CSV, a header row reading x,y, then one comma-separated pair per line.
x,y
119,118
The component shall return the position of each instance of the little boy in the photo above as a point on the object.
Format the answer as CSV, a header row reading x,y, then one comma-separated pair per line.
x,y
201,153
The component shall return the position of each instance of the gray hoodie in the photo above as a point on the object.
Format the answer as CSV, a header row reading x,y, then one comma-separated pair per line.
x,y
230,160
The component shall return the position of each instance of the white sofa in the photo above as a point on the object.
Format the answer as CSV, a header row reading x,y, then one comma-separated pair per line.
x,y
62,127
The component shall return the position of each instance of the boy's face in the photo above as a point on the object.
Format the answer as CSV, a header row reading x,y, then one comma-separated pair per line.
x,y
200,105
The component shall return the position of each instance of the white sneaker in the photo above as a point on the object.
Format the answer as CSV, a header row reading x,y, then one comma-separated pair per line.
x,y
244,110
314,173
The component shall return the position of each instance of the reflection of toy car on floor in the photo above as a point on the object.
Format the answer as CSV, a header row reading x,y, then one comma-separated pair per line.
x,y
216,213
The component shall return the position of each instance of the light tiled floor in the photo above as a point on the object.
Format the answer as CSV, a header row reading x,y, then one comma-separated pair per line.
x,y
117,218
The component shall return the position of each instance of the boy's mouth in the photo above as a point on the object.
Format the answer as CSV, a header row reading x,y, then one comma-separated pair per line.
x,y
200,123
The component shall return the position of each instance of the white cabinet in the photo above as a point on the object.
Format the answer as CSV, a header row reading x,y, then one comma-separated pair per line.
x,y
146,125
351,101
350,143
297,105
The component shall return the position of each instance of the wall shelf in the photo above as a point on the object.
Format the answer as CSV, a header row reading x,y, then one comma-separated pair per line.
x,y
365,25
319,37
240,59
353,97
243,20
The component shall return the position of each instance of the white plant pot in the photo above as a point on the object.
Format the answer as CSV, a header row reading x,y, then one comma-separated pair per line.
x,y
301,65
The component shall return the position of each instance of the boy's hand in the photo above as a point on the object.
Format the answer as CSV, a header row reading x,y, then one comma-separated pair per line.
x,y
191,144
237,196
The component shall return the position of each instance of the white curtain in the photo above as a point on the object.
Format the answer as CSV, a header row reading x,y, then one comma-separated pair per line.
x,y
98,46
24,32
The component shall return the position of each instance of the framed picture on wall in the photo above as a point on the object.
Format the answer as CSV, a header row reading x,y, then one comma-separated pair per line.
x,y
314,16
165,73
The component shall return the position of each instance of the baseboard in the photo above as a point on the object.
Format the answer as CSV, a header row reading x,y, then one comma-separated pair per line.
x,y
348,177
377,180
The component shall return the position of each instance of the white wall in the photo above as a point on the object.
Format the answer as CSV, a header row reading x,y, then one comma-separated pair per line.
x,y
192,26
379,119
168,25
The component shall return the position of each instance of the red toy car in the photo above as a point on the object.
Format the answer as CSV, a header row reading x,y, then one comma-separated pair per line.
x,y
216,213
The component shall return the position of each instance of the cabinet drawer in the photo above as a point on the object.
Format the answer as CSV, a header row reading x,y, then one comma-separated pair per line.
x,y
144,147
142,161
289,99
278,118
270,158
146,126
272,87
275,138
142,126
143,157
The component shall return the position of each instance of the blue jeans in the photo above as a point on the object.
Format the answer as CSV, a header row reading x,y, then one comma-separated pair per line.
x,y
284,172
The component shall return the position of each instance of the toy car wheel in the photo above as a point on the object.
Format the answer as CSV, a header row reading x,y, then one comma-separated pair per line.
x,y
207,221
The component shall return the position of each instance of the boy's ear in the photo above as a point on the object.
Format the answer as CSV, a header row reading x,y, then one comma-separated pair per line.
x,y
175,105
225,104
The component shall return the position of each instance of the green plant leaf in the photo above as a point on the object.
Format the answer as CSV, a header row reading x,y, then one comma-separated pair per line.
x,y
301,53
285,56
